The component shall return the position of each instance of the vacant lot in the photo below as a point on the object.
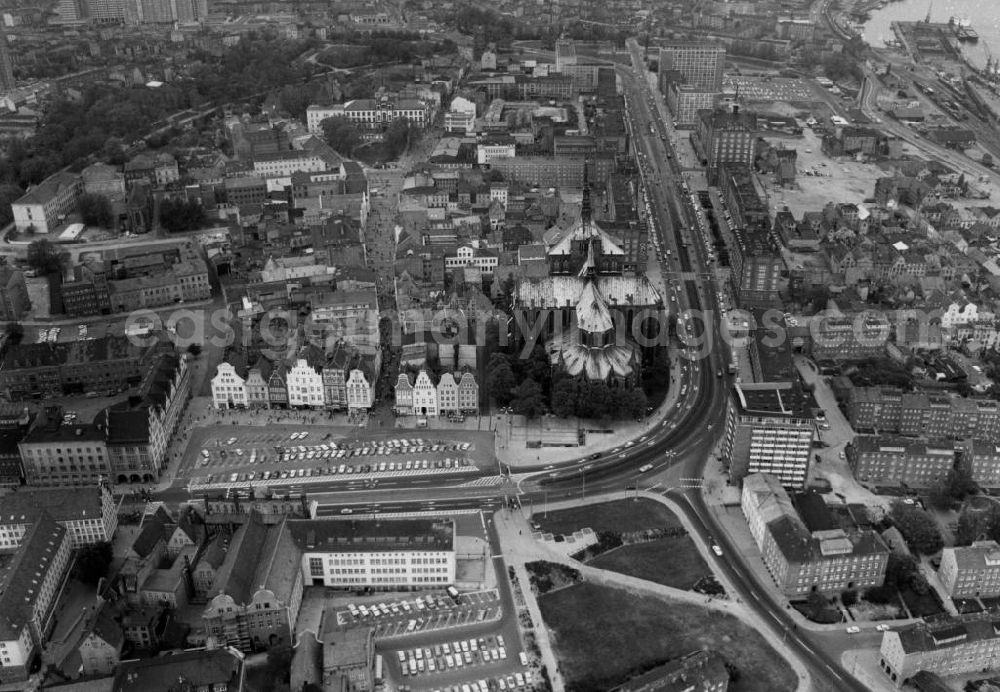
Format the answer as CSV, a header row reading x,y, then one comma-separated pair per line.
x,y
672,561
603,636
620,516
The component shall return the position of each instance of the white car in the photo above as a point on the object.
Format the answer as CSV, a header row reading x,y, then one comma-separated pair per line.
x,y
853,629
717,550
882,628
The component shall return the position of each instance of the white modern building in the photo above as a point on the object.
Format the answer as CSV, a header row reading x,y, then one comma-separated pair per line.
x,y
228,387
282,164
385,555
305,385
45,206
29,583
90,515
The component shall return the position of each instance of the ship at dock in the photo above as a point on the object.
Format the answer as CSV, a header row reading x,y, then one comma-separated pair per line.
x,y
963,30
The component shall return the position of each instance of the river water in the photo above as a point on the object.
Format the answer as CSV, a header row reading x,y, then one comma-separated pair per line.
x,y
984,16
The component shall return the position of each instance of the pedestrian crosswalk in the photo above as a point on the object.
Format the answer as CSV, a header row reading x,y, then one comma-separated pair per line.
x,y
484,482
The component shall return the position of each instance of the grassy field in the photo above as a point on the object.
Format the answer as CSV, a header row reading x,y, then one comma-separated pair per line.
x,y
672,561
603,636
620,516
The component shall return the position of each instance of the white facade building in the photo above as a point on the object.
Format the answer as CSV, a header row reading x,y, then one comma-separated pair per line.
x,y
447,391
90,515
305,385
283,163
228,388
368,113
425,401
360,391
389,555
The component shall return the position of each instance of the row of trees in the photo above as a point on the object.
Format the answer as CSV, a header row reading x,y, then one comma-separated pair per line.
x,y
370,50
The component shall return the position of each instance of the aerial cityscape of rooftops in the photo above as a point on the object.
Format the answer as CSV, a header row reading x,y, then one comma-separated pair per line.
x,y
463,347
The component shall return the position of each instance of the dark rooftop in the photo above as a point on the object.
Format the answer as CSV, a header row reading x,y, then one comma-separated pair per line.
x,y
367,535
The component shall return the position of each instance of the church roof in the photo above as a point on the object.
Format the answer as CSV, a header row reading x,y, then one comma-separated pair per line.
x,y
592,314
562,242
596,363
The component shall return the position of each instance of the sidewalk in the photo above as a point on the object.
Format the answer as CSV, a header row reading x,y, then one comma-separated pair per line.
x,y
514,532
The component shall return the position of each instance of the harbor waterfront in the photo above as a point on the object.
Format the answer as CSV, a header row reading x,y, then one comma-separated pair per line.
x,y
982,17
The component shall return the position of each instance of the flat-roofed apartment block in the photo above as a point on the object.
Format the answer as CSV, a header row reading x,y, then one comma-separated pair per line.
x,y
971,571
386,555
31,575
897,461
952,646
89,514
769,429
801,560
983,459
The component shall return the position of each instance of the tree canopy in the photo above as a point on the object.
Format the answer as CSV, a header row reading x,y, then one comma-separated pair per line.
x,y
45,258
95,210
919,529
178,215
93,561
341,134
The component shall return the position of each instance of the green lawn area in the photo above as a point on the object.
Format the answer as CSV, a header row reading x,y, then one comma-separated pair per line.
x,y
620,516
672,561
603,636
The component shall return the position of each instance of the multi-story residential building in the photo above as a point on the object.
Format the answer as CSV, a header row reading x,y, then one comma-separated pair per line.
x,y
447,394
90,516
755,257
305,384
404,395
848,337
14,301
700,671
229,389
542,170
241,191
686,101
386,555
889,410
138,429
493,147
700,65
360,389
983,459
894,461
57,454
254,602
484,259
425,401
155,169
283,164
88,292
107,363
948,646
769,429
45,206
369,114
971,571
468,394
802,561
32,577
727,136
256,384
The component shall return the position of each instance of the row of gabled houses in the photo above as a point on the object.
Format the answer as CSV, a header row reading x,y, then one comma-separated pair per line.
x,y
342,380
453,393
